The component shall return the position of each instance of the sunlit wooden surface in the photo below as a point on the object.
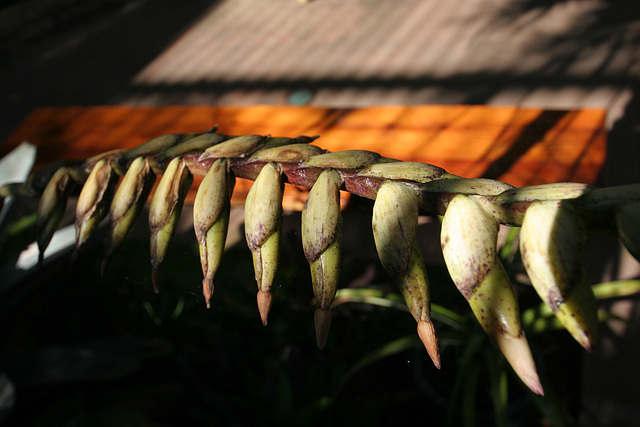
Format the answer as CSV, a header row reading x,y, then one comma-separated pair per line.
x,y
521,146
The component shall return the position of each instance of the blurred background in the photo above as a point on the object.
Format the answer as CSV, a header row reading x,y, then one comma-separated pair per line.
x,y
167,360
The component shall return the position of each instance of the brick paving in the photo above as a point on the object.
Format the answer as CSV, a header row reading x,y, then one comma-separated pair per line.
x,y
349,52
573,54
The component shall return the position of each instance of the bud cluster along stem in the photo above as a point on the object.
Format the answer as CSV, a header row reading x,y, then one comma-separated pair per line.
x,y
554,219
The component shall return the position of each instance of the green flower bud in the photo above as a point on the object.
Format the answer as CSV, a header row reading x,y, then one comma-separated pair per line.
x,y
94,200
395,223
127,204
211,221
405,171
51,207
322,243
552,240
347,159
164,212
263,223
240,146
469,239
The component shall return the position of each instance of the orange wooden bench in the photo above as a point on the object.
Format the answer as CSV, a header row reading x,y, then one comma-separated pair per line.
x,y
520,146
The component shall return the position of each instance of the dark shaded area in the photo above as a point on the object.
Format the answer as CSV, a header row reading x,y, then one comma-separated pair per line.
x,y
81,348
91,58
462,88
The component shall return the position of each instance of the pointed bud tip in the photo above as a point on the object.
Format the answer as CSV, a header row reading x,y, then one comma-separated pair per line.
x,y
264,305
518,354
590,342
322,319
207,290
427,334
590,345
585,338
579,315
534,385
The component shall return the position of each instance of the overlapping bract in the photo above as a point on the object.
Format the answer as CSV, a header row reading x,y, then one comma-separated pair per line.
x,y
469,240
554,220
552,241
262,227
211,220
395,223
322,245
164,212
94,200
128,202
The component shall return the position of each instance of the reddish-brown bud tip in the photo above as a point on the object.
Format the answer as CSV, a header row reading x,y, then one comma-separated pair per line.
x,y
207,290
427,334
264,305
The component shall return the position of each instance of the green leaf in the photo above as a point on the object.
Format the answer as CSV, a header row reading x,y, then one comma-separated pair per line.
x,y
465,371
510,246
499,386
392,300
540,318
616,289
469,396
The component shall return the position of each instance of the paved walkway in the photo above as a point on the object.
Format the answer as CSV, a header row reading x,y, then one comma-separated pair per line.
x,y
570,54
564,54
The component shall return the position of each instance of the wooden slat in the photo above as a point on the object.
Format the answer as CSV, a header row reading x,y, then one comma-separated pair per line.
x,y
521,146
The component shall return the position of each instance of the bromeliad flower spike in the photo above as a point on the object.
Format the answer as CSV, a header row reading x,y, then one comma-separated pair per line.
x,y
554,219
